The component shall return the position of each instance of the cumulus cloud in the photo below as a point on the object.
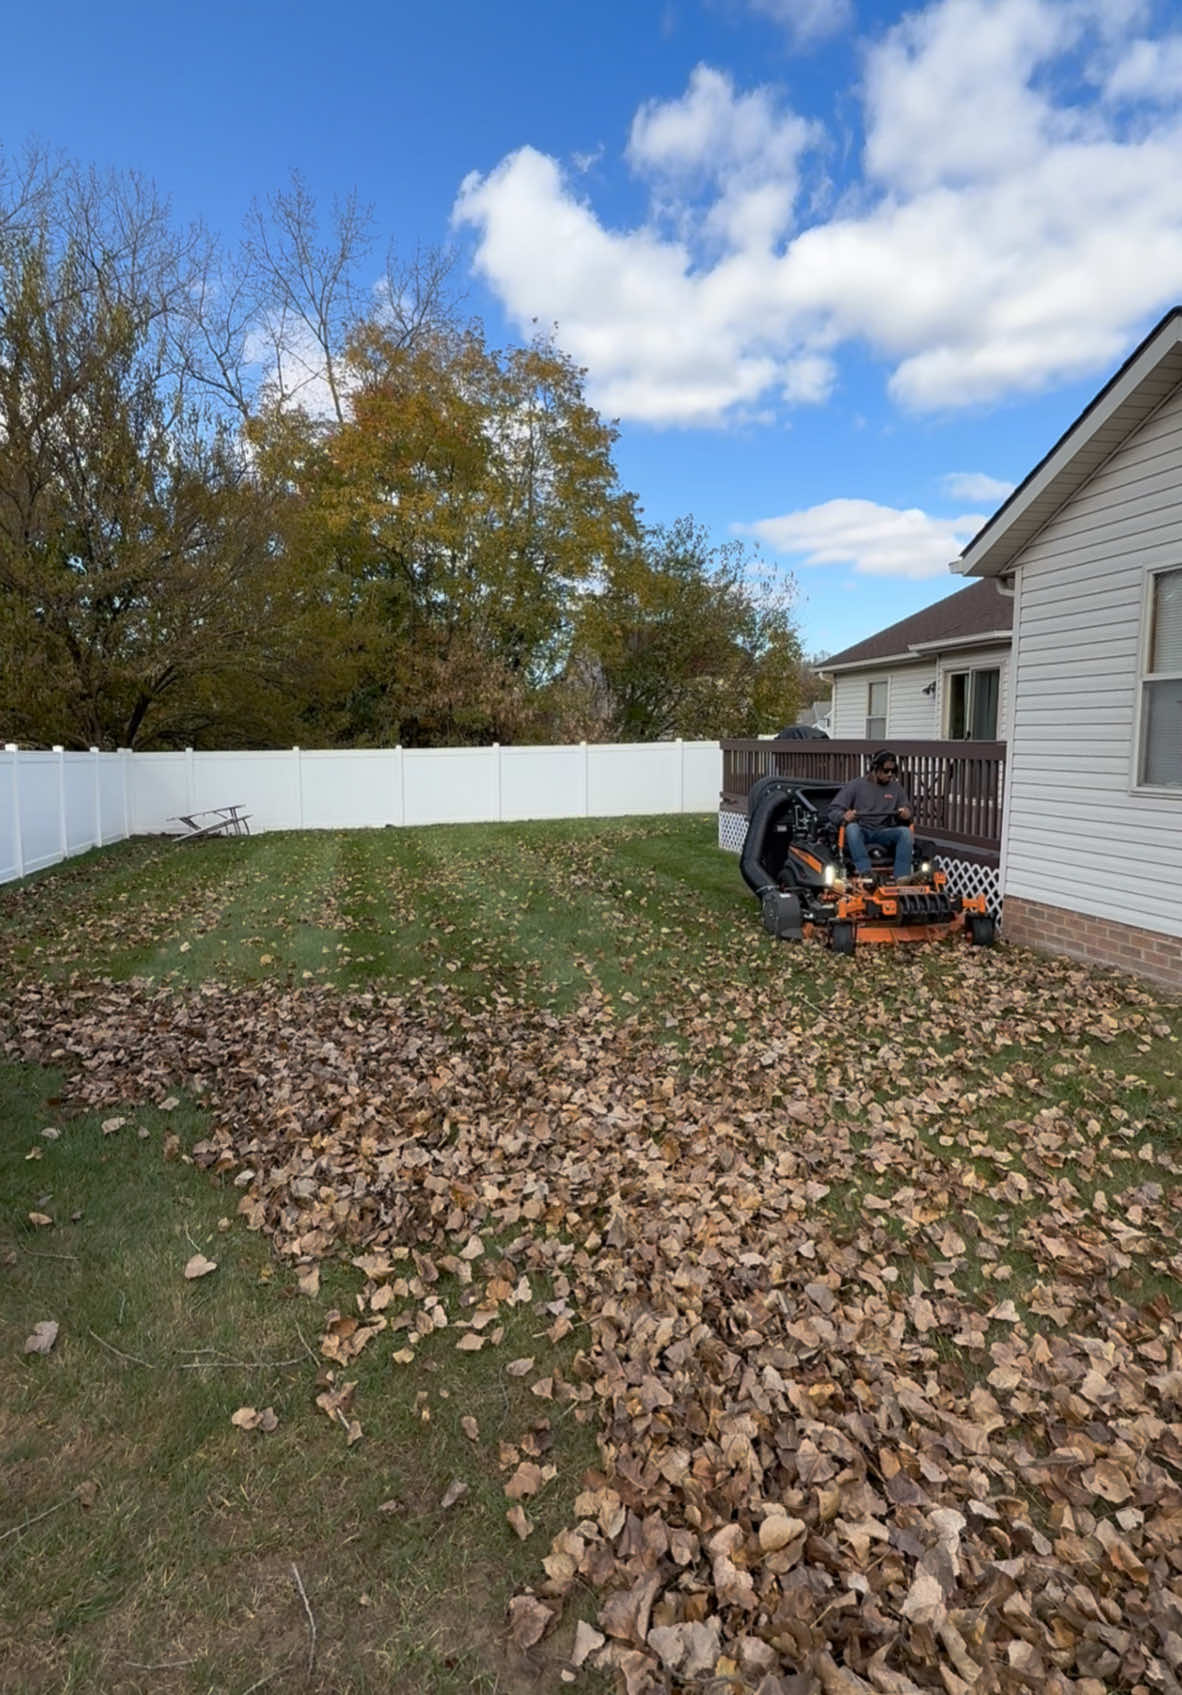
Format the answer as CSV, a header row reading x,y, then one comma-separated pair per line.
x,y
975,485
1013,224
877,541
1147,70
807,21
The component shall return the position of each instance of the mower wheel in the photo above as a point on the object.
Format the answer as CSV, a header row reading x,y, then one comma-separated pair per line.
x,y
841,938
982,931
765,785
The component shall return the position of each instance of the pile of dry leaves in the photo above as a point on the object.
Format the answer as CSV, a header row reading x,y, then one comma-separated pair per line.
x,y
880,1404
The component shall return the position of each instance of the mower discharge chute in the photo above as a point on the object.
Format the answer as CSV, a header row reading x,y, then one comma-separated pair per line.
x,y
795,863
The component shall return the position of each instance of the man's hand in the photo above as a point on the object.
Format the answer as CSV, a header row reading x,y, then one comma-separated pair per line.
x,y
904,813
848,816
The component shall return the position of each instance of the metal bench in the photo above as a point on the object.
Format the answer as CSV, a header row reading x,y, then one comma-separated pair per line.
x,y
212,821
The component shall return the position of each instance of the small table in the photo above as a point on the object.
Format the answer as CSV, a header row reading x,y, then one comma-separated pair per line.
x,y
213,821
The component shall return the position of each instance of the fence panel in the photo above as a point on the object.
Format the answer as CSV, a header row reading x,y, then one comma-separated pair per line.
x,y
78,801
112,786
159,790
625,778
11,836
52,804
362,785
39,810
543,782
264,784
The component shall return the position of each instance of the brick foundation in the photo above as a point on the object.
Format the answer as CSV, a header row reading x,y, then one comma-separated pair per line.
x,y
1101,941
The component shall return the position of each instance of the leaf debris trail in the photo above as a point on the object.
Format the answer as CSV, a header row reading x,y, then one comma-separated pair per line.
x,y
843,1438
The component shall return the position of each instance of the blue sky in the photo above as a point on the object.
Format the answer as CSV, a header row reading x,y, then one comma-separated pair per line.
x,y
842,271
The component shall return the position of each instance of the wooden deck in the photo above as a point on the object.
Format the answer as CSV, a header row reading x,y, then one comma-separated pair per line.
x,y
956,787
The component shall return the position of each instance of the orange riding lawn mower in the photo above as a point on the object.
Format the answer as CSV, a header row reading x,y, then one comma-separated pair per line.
x,y
794,860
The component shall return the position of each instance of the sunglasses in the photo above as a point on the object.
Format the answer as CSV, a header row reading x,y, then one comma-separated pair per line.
x,y
889,770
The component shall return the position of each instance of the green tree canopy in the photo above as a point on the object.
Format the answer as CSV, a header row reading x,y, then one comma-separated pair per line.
x,y
682,639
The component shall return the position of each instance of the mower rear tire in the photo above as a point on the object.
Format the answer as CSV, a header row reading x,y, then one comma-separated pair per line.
x,y
842,939
982,931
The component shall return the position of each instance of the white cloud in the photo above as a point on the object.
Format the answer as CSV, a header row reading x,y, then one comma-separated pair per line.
x,y
1011,228
975,485
807,21
1147,70
745,149
877,541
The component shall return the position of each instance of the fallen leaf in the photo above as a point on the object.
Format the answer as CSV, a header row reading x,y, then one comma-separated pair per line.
x,y
455,1491
528,1620
520,1521
43,1337
199,1266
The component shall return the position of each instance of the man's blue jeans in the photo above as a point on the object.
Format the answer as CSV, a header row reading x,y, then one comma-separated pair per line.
x,y
859,836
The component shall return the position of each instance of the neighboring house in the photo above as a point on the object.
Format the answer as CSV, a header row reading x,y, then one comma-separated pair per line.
x,y
942,674
1091,861
816,716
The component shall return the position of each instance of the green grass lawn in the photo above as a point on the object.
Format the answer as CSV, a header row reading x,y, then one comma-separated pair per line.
x,y
628,1102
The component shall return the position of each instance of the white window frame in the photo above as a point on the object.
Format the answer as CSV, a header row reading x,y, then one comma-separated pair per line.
x,y
871,682
1144,675
969,671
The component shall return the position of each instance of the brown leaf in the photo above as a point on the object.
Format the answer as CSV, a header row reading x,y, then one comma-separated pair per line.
x,y
526,1480
520,1521
198,1266
528,1620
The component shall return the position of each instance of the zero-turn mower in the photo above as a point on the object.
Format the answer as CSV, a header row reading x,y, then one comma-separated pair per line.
x,y
794,861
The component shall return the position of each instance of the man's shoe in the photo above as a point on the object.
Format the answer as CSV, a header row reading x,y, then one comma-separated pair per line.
x,y
869,881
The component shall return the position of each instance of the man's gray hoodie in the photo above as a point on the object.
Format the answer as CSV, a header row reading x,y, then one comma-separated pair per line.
x,y
875,803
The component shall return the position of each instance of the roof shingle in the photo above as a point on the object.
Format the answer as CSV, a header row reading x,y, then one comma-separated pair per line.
x,y
976,611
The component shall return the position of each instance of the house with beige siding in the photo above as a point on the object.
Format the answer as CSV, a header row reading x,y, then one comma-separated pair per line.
x,y
1091,857
942,674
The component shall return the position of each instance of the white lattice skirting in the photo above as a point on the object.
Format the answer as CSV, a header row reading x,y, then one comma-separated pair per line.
x,y
965,876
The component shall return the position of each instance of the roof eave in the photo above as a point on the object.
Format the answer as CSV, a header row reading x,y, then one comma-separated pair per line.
x,y
907,656
1130,397
986,638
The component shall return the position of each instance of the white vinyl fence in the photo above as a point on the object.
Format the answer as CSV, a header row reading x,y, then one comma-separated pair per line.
x,y
56,804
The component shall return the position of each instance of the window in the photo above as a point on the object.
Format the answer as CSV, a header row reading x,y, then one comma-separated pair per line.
x,y
972,705
876,712
1161,685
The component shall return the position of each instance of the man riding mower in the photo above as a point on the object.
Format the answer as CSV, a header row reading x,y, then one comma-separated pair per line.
x,y
844,863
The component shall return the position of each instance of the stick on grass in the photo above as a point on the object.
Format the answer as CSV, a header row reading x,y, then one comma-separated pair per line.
x,y
311,1621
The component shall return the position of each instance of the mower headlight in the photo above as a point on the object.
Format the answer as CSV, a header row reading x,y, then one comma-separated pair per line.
x,y
926,867
830,876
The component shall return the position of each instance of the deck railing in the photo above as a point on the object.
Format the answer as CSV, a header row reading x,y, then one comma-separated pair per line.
x,y
956,786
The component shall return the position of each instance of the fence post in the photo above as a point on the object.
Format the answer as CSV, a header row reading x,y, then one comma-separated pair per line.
x,y
586,779
191,778
18,839
299,765
680,775
62,837
496,748
401,752
98,799
124,767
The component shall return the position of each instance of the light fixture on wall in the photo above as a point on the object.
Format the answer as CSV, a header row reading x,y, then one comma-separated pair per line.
x,y
931,689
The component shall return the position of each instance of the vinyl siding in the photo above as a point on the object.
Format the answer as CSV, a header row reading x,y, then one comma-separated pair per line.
x,y
1078,836
911,715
